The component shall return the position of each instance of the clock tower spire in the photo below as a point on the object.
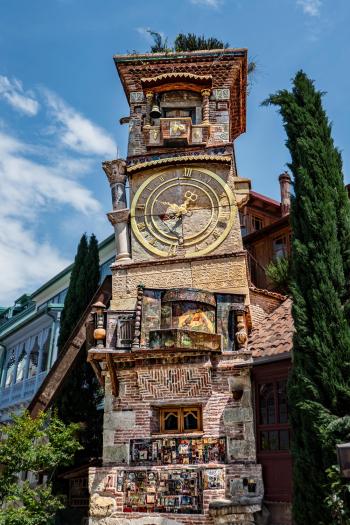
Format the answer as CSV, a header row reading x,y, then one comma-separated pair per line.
x,y
178,427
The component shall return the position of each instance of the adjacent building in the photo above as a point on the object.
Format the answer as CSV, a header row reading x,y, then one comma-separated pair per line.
x,y
28,337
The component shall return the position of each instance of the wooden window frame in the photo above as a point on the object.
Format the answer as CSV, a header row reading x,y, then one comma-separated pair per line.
x,y
254,217
286,245
271,427
180,410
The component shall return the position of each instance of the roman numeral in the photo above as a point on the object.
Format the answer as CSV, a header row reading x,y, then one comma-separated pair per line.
x,y
152,241
223,217
141,226
216,234
188,173
224,214
172,250
140,206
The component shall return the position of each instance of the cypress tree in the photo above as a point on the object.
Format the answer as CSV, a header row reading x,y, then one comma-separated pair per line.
x,y
77,296
318,389
81,395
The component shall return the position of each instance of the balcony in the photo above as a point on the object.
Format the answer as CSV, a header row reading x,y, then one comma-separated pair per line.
x,y
179,339
174,132
21,392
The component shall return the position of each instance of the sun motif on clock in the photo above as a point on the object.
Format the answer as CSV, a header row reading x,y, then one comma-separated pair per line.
x,y
184,211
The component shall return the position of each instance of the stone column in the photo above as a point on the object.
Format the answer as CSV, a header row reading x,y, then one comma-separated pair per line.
x,y
205,105
119,218
149,101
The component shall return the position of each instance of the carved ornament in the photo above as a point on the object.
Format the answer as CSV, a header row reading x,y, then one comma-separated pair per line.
x,y
115,170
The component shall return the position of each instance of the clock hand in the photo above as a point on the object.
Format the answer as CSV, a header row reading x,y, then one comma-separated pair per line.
x,y
172,205
189,198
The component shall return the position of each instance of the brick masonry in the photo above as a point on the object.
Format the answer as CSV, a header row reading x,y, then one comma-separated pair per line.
x,y
225,487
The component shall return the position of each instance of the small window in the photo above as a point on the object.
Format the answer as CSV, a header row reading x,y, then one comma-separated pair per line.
x,y
180,419
257,223
279,247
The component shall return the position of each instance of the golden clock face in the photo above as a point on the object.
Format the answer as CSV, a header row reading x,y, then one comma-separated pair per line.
x,y
183,211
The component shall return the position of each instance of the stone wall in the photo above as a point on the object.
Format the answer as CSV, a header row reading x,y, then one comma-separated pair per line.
x,y
201,381
225,274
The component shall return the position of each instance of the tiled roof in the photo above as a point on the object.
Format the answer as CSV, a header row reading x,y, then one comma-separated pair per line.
x,y
274,335
268,293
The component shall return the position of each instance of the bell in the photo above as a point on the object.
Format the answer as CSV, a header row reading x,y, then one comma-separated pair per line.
x,y
155,111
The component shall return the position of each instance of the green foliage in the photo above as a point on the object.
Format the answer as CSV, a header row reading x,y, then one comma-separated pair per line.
x,y
278,271
192,42
32,445
338,499
319,389
78,294
81,394
160,43
189,42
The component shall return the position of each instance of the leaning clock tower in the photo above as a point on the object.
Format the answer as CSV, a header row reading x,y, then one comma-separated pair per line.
x,y
178,437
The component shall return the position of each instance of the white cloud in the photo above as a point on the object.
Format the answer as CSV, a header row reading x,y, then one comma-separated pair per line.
x,y
76,131
29,188
310,7
12,91
37,181
208,3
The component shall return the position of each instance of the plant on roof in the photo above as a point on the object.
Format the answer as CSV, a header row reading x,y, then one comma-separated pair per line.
x,y
183,42
36,446
278,272
319,387
160,44
192,42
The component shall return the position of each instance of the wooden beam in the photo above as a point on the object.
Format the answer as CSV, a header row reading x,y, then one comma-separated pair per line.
x,y
97,369
112,375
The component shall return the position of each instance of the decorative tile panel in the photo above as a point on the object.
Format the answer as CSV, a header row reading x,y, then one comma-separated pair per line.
x,y
136,96
165,384
221,94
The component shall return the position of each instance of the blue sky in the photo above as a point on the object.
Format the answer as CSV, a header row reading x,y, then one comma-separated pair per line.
x,y
61,100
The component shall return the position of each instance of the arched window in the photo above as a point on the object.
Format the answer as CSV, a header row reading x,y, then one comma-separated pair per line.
x,y
10,369
45,349
33,357
21,364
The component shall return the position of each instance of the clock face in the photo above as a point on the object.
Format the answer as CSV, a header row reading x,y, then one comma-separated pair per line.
x,y
183,211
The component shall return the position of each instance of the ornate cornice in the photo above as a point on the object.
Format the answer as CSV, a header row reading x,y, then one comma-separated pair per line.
x,y
175,76
181,159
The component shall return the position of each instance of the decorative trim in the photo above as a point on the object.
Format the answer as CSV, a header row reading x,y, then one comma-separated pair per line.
x,y
172,160
159,262
137,333
151,81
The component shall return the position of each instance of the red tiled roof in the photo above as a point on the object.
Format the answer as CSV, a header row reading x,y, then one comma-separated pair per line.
x,y
274,335
264,198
